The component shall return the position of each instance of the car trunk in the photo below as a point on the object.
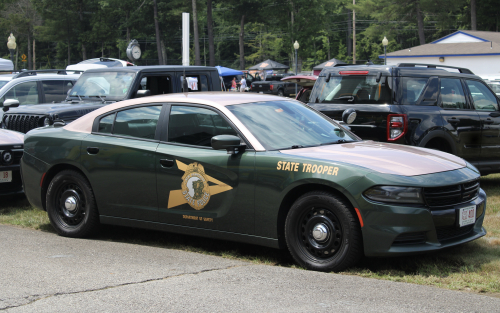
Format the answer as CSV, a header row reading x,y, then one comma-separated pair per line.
x,y
370,122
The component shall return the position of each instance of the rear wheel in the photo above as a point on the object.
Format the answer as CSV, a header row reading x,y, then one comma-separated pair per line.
x,y
71,205
322,233
281,93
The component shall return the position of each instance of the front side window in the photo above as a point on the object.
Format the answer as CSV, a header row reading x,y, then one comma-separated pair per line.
x,y
138,122
482,98
25,93
105,85
352,89
288,124
196,126
452,94
157,85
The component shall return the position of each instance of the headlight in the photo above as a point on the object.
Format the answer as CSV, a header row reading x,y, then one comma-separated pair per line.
x,y
395,194
46,121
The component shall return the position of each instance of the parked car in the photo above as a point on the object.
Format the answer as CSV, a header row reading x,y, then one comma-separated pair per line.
x,y
305,84
494,85
11,151
272,84
98,63
35,87
447,109
250,168
98,87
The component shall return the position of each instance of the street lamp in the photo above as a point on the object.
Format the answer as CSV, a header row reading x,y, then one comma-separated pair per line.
x,y
385,42
296,47
11,44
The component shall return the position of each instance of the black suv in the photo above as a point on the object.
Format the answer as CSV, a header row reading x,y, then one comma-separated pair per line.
x,y
448,109
98,87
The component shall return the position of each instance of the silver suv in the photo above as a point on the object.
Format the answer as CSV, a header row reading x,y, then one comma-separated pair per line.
x,y
35,87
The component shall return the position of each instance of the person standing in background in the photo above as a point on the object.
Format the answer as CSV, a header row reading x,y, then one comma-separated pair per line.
x,y
233,84
243,84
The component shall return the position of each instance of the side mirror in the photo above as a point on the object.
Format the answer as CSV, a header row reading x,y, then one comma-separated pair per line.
x,y
10,103
349,116
229,142
142,93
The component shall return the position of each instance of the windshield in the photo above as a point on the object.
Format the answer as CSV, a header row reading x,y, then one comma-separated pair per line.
x,y
106,85
280,125
352,89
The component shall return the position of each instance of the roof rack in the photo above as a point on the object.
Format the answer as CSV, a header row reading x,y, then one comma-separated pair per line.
x,y
24,73
460,69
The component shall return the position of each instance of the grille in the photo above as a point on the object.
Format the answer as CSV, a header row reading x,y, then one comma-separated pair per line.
x,y
409,239
445,233
451,195
21,122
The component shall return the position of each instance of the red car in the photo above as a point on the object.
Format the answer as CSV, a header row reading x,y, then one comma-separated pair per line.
x,y
304,81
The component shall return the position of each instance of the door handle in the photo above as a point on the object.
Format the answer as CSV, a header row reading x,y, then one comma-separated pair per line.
x,y
92,150
166,162
453,120
488,121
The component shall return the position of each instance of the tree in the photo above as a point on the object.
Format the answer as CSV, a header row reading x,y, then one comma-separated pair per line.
x,y
157,32
196,35
210,34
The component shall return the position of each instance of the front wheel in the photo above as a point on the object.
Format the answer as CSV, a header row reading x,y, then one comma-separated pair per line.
x,y
71,205
322,232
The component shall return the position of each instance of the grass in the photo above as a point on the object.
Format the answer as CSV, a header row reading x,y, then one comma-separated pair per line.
x,y
473,267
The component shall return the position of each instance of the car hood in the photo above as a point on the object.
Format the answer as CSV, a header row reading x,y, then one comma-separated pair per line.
x,y
384,157
61,109
9,137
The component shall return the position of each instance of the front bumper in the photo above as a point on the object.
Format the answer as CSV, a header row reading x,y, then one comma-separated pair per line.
x,y
391,230
15,186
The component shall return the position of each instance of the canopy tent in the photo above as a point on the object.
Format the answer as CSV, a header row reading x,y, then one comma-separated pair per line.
x,y
330,63
6,65
269,65
225,71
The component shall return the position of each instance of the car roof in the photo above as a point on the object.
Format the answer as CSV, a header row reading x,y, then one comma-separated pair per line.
x,y
396,70
156,68
216,100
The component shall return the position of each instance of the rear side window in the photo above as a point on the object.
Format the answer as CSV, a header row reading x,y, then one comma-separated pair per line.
x,y
196,82
353,89
54,90
412,88
452,94
138,122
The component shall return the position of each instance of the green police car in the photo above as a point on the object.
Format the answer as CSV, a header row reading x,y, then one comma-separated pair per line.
x,y
250,168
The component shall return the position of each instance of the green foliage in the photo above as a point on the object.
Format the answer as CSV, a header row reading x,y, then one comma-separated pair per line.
x,y
66,29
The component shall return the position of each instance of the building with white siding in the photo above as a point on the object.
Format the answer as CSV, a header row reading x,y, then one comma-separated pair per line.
x,y
476,50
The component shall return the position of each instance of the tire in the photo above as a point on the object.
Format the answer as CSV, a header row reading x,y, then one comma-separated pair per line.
x,y
281,93
341,243
82,219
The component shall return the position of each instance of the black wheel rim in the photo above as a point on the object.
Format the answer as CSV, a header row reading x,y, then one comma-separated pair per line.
x,y
320,233
70,204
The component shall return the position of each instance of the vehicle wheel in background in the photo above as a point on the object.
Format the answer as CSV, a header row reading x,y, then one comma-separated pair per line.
x,y
71,205
322,233
280,93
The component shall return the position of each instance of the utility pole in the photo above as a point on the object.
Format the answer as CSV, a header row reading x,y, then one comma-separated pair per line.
x,y
353,34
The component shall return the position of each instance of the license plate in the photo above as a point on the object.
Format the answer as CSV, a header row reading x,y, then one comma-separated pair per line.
x,y
467,215
5,177
261,92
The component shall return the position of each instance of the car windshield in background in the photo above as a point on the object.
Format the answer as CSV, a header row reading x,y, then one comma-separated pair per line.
x,y
280,125
354,89
105,85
